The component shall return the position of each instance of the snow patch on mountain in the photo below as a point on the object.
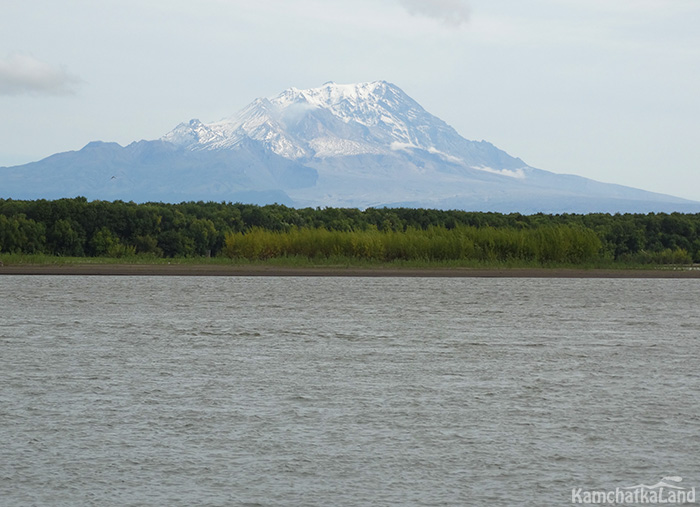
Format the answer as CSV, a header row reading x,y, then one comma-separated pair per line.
x,y
324,147
364,103
444,155
512,173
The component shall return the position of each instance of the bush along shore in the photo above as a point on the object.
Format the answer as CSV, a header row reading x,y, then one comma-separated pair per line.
x,y
45,231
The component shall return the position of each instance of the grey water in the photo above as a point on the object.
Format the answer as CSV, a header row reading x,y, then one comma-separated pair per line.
x,y
344,391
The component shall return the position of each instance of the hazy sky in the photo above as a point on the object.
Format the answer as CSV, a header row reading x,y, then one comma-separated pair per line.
x,y
607,89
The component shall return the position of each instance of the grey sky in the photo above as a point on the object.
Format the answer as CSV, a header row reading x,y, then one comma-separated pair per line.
x,y
452,12
601,88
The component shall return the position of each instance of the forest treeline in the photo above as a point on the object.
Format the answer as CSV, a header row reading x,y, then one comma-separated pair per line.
x,y
78,227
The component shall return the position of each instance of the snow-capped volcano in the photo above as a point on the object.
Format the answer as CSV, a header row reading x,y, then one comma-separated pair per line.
x,y
378,117
335,120
355,145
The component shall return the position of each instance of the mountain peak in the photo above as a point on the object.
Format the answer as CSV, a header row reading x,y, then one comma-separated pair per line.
x,y
331,94
370,104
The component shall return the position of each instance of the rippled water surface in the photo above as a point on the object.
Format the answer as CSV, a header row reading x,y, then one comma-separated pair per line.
x,y
344,391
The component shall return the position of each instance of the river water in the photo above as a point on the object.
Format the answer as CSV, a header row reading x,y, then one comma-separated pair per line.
x,y
344,391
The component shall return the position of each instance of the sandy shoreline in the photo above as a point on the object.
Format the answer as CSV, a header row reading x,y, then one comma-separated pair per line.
x,y
257,270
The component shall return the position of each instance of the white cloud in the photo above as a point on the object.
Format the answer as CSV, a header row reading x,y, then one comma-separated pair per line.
x,y
22,73
451,12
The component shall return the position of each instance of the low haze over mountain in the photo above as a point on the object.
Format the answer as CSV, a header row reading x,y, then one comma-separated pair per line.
x,y
357,145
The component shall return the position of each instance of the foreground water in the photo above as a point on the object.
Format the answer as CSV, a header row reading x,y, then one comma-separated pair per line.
x,y
344,391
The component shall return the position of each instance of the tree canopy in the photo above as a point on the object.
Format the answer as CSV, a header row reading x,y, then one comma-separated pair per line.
x,y
78,227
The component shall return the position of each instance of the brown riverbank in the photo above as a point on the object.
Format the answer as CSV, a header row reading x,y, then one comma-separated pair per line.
x,y
261,270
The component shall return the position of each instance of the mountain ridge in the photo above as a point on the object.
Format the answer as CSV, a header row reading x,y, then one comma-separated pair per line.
x,y
358,145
